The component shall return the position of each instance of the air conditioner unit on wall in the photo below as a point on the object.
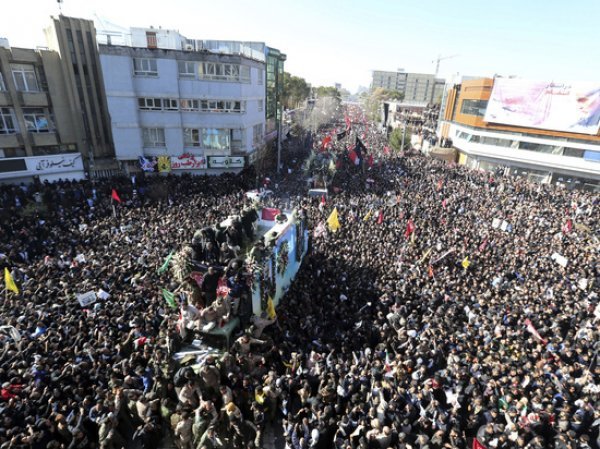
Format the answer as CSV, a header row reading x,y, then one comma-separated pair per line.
x,y
189,47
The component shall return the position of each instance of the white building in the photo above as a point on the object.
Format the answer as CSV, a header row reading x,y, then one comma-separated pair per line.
x,y
200,104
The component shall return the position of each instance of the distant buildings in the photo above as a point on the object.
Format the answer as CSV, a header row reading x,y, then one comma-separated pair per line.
x,y
416,87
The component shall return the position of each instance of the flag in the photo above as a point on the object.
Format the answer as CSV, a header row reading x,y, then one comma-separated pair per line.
x,y
271,309
386,150
325,142
444,203
568,226
380,217
323,200
333,222
533,331
425,255
9,282
370,160
269,213
354,157
115,196
165,265
361,148
341,135
477,444
347,119
170,298
465,263
439,185
368,216
410,228
319,230
482,246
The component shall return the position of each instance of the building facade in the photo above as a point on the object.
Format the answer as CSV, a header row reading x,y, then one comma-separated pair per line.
x,y
38,136
74,40
197,108
416,87
539,153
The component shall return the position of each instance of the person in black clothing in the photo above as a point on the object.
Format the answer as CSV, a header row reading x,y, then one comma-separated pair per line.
x,y
210,282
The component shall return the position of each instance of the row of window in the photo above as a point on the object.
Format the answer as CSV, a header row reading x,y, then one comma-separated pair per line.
x,y
558,150
208,138
218,71
24,77
37,120
193,105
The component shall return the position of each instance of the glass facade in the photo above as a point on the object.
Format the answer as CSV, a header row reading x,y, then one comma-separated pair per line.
x,y
274,88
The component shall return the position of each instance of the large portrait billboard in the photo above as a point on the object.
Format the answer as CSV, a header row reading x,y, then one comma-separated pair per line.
x,y
561,107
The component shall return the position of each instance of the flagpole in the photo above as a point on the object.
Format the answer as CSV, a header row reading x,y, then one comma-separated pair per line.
x,y
114,210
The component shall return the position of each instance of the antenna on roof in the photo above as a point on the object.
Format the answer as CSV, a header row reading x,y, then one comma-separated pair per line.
x,y
59,6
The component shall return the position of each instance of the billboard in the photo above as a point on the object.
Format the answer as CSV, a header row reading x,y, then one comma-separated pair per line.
x,y
559,107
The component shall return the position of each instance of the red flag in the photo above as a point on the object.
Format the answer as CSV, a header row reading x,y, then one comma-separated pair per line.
x,y
410,228
568,226
323,200
347,119
533,331
354,157
380,217
444,203
269,213
477,444
482,246
325,142
386,151
370,161
115,196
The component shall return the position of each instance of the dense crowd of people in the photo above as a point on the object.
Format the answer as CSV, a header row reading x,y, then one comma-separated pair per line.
x,y
450,305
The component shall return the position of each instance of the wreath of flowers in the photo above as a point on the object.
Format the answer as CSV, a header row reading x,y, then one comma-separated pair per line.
x,y
283,257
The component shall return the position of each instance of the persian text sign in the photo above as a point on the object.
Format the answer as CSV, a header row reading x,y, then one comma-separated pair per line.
x,y
188,162
226,161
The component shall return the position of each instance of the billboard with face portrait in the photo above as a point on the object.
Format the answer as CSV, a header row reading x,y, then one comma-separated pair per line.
x,y
545,105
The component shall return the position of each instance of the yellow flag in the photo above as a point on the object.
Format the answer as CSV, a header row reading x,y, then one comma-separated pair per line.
x,y
271,308
465,263
332,221
369,214
9,282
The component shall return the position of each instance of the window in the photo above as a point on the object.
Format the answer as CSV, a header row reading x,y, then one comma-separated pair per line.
x,y
186,69
153,104
223,72
36,120
2,85
189,105
145,67
153,137
474,107
191,137
257,135
260,105
151,39
170,104
573,152
7,122
24,77
215,139
260,76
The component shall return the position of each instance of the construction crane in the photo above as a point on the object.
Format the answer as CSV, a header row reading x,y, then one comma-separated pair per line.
x,y
438,60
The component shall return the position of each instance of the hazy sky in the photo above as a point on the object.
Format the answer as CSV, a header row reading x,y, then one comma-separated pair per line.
x,y
330,41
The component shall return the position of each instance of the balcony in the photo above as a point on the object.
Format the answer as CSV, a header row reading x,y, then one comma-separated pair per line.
x,y
34,99
9,140
44,139
5,99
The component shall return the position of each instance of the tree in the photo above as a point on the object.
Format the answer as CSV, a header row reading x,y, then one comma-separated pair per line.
x,y
396,139
376,97
295,90
327,91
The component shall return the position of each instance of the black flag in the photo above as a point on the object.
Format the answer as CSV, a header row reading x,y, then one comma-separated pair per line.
x,y
341,135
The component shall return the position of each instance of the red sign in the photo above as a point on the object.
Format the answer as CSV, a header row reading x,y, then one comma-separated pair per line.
x,y
188,162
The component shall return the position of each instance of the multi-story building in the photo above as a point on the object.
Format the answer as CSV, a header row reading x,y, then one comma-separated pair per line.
x,y
416,87
74,40
38,135
547,132
200,105
273,94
